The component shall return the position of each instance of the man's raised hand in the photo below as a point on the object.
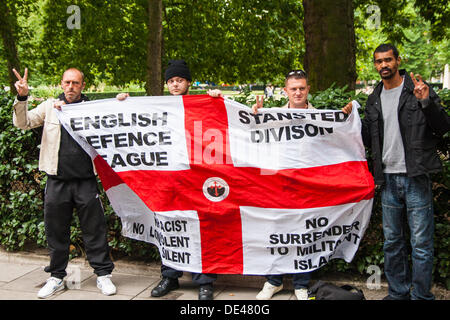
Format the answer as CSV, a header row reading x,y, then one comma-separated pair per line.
x,y
21,83
421,89
259,104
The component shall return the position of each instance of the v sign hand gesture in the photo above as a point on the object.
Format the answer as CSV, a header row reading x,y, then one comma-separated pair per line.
x,y
22,84
259,104
421,90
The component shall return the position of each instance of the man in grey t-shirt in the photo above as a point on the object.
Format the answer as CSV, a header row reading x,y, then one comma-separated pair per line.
x,y
403,122
393,151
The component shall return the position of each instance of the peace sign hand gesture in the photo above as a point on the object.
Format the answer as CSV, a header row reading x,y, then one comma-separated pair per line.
x,y
421,90
259,104
22,84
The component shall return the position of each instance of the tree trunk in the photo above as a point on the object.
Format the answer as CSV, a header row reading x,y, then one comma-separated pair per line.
x,y
7,23
330,43
154,82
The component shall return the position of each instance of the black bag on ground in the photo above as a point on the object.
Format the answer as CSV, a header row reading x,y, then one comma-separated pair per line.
x,y
326,291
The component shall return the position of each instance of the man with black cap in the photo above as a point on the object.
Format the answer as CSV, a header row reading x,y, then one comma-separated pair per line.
x,y
178,80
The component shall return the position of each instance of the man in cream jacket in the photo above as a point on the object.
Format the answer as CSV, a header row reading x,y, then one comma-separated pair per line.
x,y
71,184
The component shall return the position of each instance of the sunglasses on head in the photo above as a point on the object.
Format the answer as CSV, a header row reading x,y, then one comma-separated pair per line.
x,y
296,72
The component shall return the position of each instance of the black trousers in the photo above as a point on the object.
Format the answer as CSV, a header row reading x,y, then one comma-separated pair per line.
x,y
197,278
61,198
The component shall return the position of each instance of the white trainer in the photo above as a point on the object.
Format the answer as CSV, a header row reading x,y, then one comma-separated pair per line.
x,y
301,294
268,291
51,286
105,284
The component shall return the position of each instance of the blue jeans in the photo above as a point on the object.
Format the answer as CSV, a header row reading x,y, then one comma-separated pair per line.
x,y
408,199
300,280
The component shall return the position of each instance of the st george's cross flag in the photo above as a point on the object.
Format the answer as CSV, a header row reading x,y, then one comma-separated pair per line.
x,y
219,189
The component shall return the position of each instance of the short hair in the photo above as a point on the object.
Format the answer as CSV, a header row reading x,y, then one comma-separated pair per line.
x,y
296,74
74,69
384,48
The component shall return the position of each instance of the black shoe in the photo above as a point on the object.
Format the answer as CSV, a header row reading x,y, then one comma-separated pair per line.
x,y
164,287
205,292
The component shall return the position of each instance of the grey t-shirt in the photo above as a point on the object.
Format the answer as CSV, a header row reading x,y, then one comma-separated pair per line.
x,y
393,151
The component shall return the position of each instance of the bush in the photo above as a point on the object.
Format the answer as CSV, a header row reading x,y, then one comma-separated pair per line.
x,y
21,184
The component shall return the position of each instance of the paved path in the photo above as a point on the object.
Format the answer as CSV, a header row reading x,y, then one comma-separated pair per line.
x,y
22,275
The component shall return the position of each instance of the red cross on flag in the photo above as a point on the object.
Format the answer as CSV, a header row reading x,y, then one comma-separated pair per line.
x,y
221,190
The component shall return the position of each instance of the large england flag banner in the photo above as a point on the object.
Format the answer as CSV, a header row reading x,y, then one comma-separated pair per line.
x,y
219,189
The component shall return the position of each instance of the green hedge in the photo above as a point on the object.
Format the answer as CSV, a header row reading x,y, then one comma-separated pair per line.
x,y
20,183
21,195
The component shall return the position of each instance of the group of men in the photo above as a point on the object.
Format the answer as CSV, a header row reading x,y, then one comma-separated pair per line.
x,y
403,122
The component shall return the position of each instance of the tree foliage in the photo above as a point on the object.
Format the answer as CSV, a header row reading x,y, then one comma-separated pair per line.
x,y
218,38
235,41
420,49
12,16
110,44
437,12
231,41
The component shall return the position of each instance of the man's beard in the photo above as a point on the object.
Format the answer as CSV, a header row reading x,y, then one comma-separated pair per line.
x,y
388,76
72,96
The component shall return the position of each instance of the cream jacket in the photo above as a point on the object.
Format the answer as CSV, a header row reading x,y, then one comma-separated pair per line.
x,y
43,115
